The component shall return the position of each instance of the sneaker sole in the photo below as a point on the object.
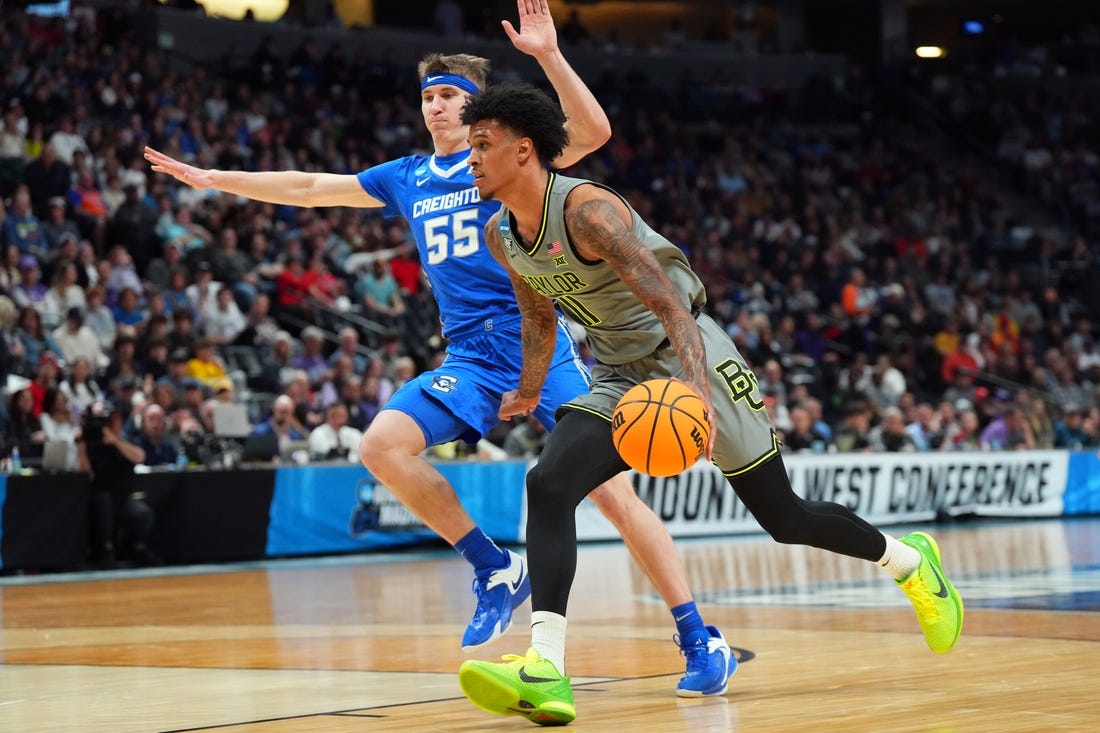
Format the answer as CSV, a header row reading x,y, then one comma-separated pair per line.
x,y
701,693
496,696
725,686
928,539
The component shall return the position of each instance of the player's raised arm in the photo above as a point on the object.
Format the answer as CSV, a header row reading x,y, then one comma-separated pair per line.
x,y
599,227
587,123
292,188
540,333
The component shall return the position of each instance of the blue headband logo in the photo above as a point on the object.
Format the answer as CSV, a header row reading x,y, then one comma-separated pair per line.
x,y
455,80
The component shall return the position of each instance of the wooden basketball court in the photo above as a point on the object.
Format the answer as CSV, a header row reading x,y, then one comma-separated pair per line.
x,y
371,643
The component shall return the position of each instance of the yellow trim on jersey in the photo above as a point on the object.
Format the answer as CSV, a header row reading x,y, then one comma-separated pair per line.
x,y
758,461
545,215
578,408
579,310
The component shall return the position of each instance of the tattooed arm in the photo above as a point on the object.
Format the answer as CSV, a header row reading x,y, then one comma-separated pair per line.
x,y
600,229
540,333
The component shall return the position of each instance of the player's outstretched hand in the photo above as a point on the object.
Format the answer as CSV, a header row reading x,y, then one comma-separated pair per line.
x,y
189,174
536,34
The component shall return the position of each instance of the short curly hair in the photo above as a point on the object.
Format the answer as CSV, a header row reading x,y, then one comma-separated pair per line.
x,y
525,110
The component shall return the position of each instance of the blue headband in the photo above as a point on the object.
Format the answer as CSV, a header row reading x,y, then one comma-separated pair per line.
x,y
455,80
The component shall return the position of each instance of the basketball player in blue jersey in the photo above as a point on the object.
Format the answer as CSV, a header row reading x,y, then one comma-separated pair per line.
x,y
481,321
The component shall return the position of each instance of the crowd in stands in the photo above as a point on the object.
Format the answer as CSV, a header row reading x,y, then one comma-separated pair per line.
x,y
871,281
1034,107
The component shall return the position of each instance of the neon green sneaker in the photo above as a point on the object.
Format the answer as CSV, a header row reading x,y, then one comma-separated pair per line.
x,y
529,686
938,605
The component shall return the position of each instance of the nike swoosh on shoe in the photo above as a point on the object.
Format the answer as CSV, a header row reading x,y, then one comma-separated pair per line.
x,y
942,592
531,679
512,575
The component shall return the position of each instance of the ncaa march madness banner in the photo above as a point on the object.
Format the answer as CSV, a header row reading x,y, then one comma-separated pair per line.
x,y
890,488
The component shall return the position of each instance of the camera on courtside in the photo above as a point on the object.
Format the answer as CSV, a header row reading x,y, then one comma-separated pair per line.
x,y
96,417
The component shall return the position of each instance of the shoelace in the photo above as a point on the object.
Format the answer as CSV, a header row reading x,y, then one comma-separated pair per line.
x,y
922,599
696,654
482,598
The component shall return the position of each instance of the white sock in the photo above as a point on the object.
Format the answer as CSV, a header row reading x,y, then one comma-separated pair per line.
x,y
899,559
548,637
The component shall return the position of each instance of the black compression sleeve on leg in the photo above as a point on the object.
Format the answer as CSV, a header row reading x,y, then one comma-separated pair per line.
x,y
766,492
578,457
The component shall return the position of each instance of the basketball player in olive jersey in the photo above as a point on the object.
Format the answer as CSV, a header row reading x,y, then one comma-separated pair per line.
x,y
582,245
481,321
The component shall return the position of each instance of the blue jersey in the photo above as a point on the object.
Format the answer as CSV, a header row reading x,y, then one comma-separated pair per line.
x,y
477,304
437,197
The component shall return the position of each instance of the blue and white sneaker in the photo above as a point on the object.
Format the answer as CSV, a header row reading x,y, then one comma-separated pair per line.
x,y
710,664
499,591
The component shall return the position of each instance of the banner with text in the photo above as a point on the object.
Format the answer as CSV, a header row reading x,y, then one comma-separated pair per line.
x,y
329,509
891,488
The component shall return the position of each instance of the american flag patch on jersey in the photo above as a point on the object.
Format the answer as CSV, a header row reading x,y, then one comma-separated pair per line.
x,y
555,248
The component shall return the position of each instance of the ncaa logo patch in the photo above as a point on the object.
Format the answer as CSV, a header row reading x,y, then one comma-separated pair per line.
x,y
505,229
443,383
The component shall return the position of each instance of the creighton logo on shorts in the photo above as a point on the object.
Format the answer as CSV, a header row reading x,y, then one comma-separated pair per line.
x,y
443,383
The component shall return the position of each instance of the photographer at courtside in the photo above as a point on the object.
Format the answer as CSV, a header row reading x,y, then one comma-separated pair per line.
x,y
121,520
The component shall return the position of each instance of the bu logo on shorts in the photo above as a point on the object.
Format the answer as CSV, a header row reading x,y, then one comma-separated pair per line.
x,y
741,382
443,383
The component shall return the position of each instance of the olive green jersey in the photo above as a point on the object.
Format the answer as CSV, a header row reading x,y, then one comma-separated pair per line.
x,y
620,327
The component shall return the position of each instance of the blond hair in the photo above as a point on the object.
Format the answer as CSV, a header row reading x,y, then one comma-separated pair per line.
x,y
474,68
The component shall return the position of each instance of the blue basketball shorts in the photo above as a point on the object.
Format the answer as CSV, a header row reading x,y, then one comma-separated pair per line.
x,y
461,399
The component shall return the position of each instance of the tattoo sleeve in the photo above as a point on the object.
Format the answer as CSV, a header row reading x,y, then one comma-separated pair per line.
x,y
540,322
598,227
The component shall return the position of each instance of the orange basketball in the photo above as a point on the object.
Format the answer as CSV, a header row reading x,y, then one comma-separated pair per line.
x,y
660,427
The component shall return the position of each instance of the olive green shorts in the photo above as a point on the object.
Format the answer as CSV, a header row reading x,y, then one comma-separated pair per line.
x,y
746,437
